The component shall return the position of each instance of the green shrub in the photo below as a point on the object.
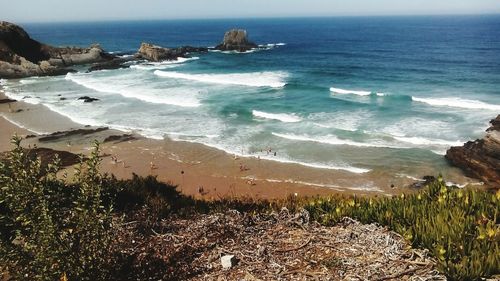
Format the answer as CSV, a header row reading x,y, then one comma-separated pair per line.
x,y
52,229
460,227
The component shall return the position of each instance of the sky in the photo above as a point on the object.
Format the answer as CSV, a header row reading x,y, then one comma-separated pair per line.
x,y
103,10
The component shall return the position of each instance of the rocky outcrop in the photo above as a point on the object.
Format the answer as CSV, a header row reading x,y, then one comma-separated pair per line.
x,y
115,63
156,53
236,40
480,158
88,99
21,56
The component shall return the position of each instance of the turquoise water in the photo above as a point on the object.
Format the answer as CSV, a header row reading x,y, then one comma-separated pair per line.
x,y
362,95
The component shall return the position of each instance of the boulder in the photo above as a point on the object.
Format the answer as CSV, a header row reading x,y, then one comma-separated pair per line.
x,y
156,53
22,56
236,40
116,63
87,99
480,158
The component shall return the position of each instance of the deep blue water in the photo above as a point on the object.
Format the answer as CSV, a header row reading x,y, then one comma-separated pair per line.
x,y
358,93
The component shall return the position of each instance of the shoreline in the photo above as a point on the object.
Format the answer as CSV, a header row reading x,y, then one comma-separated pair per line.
x,y
198,170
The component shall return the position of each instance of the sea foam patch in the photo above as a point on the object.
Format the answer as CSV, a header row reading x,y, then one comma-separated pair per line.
x,y
134,89
458,102
252,79
334,140
283,117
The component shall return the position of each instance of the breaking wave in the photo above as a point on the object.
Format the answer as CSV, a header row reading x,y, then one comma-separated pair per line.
x,y
252,79
458,102
135,91
283,117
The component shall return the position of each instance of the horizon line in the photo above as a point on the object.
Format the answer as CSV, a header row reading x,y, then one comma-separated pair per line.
x,y
260,18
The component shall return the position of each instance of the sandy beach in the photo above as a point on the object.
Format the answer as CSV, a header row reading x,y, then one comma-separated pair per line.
x,y
198,170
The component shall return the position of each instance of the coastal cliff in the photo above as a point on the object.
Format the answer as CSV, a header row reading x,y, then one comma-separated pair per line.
x,y
480,158
22,56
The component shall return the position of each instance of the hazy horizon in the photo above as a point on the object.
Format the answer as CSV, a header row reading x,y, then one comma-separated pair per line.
x,y
115,10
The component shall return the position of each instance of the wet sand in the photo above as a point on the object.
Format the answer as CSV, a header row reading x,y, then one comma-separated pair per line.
x,y
198,170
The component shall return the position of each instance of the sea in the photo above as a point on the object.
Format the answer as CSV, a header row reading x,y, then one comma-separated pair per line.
x,y
354,94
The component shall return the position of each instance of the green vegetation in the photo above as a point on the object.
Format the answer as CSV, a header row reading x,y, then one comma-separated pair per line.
x,y
54,228
461,227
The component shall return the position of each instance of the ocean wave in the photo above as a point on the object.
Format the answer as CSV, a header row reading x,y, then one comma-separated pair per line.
x,y
75,117
28,81
347,168
283,117
103,85
22,96
333,140
458,102
262,47
252,79
163,64
22,126
355,92
425,141
271,45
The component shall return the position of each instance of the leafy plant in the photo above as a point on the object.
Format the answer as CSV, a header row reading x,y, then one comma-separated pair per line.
x,y
52,229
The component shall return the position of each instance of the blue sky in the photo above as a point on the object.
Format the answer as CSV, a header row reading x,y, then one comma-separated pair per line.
x,y
91,10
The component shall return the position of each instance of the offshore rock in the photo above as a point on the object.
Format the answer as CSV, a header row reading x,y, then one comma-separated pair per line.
x,y
236,40
156,53
22,56
480,158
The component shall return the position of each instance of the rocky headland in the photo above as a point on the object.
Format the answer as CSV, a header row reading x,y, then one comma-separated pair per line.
x,y
480,158
22,56
236,40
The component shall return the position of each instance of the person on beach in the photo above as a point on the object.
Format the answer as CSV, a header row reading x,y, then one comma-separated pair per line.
x,y
243,168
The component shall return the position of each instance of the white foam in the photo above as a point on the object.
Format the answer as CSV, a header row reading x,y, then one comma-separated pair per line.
x,y
235,52
126,56
350,169
239,152
333,140
170,97
77,118
283,117
352,92
27,81
163,64
425,141
253,79
148,66
458,102
262,47
25,97
271,45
